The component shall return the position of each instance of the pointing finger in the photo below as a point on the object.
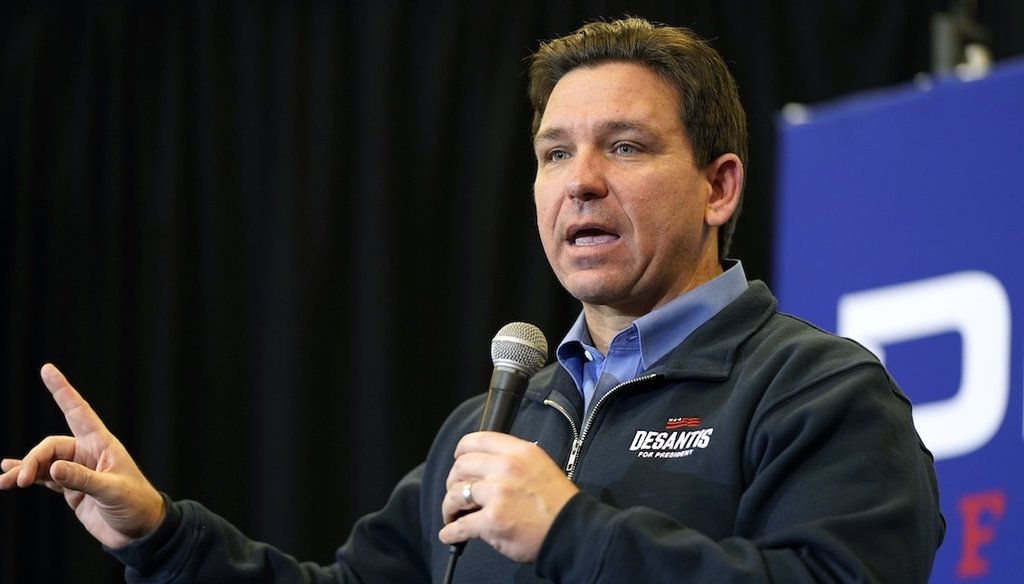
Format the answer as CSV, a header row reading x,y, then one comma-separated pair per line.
x,y
81,418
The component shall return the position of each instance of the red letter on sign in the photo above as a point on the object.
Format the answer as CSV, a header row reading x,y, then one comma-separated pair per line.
x,y
975,534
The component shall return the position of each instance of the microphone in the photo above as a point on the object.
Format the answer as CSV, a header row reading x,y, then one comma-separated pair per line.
x,y
518,351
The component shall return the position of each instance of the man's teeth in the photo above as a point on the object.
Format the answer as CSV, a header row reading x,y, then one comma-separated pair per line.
x,y
594,239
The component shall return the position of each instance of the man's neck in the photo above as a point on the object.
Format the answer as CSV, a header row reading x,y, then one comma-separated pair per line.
x,y
606,321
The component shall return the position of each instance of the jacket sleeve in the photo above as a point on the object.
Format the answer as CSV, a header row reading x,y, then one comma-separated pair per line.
x,y
194,545
839,488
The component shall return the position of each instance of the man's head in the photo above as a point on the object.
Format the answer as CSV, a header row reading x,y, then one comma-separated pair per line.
x,y
709,106
637,173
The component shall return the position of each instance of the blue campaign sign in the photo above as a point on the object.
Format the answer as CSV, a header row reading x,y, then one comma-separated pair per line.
x,y
899,225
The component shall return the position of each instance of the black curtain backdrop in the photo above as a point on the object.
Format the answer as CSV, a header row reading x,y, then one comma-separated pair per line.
x,y
271,241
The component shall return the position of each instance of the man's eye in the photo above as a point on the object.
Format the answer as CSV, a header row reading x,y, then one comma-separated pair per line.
x,y
625,149
557,155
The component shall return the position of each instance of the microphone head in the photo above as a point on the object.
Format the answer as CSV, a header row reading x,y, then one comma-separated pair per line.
x,y
521,346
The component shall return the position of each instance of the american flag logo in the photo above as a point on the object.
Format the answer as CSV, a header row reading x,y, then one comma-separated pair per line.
x,y
676,423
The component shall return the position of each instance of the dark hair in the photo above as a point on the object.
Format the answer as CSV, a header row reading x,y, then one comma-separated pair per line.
x,y
708,97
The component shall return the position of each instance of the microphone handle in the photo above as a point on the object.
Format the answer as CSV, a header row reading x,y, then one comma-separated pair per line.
x,y
454,551
503,397
506,391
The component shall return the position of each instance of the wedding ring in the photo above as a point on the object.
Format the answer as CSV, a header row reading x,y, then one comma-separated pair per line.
x,y
467,494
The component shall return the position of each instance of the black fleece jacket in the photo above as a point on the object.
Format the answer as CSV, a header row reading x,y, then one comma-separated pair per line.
x,y
761,449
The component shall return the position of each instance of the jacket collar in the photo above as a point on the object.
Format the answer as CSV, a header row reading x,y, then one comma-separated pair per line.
x,y
708,354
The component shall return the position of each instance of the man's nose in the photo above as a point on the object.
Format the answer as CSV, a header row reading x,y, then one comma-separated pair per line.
x,y
587,179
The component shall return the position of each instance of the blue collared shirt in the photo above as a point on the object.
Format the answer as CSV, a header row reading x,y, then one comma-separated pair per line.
x,y
648,339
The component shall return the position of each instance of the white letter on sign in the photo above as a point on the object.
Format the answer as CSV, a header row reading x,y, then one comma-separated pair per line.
x,y
973,304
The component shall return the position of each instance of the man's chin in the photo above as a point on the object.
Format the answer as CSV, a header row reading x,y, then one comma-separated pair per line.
x,y
596,293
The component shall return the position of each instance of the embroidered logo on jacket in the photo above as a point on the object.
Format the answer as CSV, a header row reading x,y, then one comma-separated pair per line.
x,y
676,423
673,442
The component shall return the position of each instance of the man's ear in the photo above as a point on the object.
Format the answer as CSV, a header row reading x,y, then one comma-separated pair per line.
x,y
725,175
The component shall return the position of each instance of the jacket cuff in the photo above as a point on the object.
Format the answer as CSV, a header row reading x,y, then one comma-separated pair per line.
x,y
144,554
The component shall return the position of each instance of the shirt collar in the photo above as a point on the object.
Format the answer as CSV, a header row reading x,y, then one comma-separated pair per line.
x,y
662,329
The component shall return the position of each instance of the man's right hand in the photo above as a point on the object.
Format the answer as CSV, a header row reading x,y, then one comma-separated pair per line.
x,y
97,476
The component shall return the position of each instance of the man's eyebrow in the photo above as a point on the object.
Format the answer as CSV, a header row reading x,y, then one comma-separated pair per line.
x,y
549,134
609,127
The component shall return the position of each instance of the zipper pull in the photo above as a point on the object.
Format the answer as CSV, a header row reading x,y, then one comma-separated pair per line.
x,y
574,452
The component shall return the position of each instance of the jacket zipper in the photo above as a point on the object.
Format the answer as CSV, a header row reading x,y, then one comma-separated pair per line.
x,y
577,436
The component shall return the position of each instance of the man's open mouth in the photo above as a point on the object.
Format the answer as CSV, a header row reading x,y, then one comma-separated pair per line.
x,y
592,236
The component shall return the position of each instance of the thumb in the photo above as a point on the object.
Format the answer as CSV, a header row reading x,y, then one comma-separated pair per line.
x,y
76,477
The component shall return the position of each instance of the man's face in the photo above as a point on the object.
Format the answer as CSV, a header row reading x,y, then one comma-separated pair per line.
x,y
620,199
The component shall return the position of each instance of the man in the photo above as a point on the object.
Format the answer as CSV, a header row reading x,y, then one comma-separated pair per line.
x,y
689,431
